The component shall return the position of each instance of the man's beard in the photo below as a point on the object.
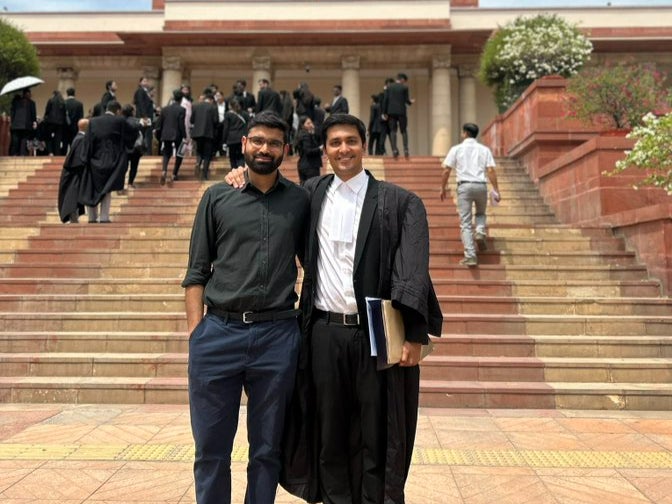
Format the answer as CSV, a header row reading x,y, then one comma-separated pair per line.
x,y
263,167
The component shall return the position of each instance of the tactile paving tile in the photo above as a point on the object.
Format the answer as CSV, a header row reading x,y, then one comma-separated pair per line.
x,y
421,456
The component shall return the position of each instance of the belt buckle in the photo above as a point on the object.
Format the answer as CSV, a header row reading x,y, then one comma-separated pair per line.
x,y
345,319
245,319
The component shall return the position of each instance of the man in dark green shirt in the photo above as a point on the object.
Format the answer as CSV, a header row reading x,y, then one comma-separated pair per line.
x,y
242,266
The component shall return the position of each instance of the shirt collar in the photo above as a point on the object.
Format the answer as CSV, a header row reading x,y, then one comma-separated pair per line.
x,y
355,184
469,140
280,183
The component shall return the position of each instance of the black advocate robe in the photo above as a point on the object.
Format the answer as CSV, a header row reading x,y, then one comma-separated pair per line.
x,y
391,262
68,187
109,137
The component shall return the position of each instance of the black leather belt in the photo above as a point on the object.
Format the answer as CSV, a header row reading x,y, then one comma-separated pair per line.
x,y
344,319
249,317
470,182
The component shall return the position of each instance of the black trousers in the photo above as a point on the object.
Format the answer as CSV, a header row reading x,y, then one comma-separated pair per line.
x,y
399,122
350,400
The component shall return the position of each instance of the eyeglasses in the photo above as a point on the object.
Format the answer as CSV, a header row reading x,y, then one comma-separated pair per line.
x,y
259,142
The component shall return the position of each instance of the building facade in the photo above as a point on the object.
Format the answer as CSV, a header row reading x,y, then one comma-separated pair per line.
x,y
357,44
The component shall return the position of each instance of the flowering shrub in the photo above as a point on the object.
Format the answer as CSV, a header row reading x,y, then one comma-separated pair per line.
x,y
529,48
616,95
652,151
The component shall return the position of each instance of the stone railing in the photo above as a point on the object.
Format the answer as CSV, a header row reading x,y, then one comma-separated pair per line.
x,y
568,162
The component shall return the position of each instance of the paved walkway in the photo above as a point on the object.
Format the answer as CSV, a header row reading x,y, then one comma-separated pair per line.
x,y
74,454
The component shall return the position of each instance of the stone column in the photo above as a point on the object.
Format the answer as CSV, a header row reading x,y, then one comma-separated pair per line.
x,y
441,107
467,76
261,69
67,77
172,78
350,82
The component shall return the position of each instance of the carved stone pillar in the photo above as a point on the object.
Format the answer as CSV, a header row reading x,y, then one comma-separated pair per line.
x,y
467,76
350,82
172,77
261,69
441,106
67,77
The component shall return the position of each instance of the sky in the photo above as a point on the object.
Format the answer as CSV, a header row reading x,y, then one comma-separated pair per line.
x,y
139,5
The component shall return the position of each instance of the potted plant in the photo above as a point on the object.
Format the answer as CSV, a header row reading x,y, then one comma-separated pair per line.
x,y
616,96
651,152
529,48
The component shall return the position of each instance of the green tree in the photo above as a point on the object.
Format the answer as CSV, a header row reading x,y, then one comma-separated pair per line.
x,y
18,57
529,48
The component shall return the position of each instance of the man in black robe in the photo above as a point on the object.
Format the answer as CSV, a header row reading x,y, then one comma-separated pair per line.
x,y
109,137
69,207
367,238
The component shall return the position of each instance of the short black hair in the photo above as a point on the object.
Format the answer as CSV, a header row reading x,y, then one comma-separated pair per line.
x,y
70,91
108,84
128,110
268,119
113,106
339,87
402,76
265,81
470,129
343,119
177,94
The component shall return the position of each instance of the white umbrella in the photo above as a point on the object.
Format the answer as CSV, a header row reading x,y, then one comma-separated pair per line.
x,y
20,83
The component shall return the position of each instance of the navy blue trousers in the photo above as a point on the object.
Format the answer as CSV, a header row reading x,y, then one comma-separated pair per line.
x,y
225,358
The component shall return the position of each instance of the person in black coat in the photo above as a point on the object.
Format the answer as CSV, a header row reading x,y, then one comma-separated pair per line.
x,y
144,109
170,131
54,123
309,149
339,104
234,128
74,111
351,427
395,100
376,139
305,101
23,122
268,98
204,125
109,95
108,138
69,207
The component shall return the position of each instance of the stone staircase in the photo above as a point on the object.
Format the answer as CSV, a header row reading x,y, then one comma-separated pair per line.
x,y
553,317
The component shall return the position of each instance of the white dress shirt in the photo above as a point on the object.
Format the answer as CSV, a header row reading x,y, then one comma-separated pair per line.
x,y
337,238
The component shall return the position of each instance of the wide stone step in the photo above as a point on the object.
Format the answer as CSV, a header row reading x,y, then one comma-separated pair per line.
x,y
533,245
94,341
549,395
513,230
549,272
82,364
551,369
103,257
585,325
544,345
94,390
85,271
91,321
93,302
577,288
554,305
70,286
528,258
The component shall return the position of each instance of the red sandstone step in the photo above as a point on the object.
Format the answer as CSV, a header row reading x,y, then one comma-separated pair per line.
x,y
94,341
65,286
577,288
545,345
470,394
94,390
